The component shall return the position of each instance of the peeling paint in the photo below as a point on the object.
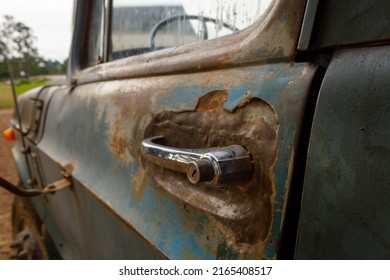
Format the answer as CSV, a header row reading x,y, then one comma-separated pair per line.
x,y
214,93
252,106
252,123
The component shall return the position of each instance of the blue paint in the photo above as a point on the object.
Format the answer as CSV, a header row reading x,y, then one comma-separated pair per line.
x,y
183,98
156,214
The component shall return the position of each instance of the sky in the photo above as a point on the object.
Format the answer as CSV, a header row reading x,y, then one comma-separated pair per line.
x,y
50,20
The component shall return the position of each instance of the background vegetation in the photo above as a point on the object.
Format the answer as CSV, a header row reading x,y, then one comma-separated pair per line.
x,y
19,57
6,99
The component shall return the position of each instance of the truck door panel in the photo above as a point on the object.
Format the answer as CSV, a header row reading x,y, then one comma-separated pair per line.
x,y
242,90
257,107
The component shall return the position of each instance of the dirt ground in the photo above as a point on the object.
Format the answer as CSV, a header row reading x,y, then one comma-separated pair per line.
x,y
7,171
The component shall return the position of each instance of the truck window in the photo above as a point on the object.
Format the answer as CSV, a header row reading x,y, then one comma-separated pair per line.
x,y
139,27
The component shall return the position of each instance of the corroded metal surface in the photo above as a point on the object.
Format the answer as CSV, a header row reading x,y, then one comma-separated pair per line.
x,y
243,210
256,107
243,89
216,93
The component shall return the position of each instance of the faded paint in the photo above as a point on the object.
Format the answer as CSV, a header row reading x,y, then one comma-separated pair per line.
x,y
247,124
98,127
240,106
119,143
193,129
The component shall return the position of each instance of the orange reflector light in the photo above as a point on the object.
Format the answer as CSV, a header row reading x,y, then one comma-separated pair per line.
x,y
9,134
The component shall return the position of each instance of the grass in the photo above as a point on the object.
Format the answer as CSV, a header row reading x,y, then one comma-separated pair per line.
x,y
6,100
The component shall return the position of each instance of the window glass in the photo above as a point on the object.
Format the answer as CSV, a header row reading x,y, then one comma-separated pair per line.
x,y
142,26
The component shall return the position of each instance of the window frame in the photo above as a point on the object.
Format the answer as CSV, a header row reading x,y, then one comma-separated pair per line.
x,y
271,38
102,29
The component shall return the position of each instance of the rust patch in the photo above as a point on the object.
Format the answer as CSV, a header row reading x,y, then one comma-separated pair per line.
x,y
211,101
126,136
119,142
243,213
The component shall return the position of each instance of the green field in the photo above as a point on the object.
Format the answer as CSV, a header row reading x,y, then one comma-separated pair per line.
x,y
6,100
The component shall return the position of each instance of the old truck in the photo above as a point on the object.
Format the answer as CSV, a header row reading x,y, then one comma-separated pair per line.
x,y
211,130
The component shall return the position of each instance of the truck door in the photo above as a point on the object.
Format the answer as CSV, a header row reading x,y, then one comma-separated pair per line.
x,y
242,88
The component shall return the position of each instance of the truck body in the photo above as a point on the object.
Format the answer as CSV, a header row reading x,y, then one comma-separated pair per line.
x,y
159,96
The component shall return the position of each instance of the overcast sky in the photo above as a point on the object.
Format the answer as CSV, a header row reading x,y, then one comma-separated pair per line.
x,y
49,19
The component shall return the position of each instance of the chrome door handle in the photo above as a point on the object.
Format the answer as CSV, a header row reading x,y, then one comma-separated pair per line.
x,y
215,166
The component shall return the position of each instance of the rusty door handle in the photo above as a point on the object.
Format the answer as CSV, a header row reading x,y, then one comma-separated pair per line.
x,y
214,166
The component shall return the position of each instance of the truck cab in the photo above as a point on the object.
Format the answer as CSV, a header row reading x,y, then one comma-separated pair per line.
x,y
220,130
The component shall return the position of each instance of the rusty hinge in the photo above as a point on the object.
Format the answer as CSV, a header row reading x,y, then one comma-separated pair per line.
x,y
51,188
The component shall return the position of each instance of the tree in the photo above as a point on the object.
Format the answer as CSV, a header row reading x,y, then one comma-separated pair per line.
x,y
17,45
17,49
